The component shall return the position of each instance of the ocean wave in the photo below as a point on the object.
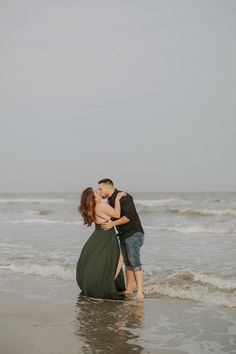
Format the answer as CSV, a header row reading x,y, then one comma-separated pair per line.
x,y
14,246
217,290
153,203
40,221
54,270
199,294
224,283
150,206
37,212
203,212
150,227
32,200
198,230
183,284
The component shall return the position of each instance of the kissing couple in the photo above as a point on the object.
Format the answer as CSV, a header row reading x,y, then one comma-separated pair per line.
x,y
99,272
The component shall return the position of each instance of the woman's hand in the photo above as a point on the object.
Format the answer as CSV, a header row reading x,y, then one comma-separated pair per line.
x,y
120,195
108,225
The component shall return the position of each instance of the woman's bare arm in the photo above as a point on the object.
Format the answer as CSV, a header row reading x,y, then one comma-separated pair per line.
x,y
117,204
113,212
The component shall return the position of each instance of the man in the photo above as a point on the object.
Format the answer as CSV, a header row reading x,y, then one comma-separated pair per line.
x,y
130,233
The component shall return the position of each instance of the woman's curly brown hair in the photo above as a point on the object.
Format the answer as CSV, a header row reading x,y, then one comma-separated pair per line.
x,y
87,206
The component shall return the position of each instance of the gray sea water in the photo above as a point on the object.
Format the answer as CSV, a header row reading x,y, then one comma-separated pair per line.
x,y
188,252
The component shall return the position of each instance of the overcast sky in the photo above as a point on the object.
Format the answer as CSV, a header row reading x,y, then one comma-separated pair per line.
x,y
142,92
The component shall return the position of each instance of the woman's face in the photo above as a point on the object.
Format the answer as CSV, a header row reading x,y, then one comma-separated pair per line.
x,y
97,195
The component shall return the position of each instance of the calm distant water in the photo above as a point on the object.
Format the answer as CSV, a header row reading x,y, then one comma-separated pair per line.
x,y
188,252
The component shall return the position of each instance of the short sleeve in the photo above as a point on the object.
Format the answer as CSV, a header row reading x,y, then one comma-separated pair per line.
x,y
127,207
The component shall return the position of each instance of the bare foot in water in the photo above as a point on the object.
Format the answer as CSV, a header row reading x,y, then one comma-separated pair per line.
x,y
139,297
129,292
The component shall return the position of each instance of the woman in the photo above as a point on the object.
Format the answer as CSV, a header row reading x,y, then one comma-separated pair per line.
x,y
99,271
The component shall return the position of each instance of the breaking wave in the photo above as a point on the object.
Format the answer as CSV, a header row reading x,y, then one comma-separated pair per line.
x,y
183,284
54,270
39,221
187,284
199,230
203,212
33,200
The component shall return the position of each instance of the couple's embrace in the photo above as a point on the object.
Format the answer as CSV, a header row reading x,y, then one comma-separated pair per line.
x,y
99,272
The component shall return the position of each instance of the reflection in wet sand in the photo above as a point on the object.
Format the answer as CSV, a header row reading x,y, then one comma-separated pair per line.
x,y
104,325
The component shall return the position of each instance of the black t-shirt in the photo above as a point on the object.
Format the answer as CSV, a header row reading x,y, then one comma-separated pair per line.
x,y
127,209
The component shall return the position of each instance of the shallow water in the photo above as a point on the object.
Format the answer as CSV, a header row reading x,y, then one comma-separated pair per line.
x,y
47,315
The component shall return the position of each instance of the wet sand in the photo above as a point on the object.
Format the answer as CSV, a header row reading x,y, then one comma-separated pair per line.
x,y
41,315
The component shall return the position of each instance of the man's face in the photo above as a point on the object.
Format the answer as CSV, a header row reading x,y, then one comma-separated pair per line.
x,y
103,190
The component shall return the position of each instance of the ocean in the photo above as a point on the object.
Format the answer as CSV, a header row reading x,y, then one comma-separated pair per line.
x,y
188,251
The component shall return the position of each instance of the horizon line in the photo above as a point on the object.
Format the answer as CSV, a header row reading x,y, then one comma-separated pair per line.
x,y
132,191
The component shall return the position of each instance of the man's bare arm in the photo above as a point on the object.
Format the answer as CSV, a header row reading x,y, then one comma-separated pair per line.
x,y
123,220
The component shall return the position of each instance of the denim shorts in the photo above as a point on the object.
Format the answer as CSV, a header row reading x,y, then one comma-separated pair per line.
x,y
130,247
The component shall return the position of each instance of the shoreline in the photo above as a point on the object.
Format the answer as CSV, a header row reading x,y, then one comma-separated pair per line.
x,y
47,315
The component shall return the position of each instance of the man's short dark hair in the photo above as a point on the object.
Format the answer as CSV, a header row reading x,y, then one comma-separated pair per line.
x,y
106,181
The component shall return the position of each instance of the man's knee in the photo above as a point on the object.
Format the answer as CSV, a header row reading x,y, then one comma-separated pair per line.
x,y
135,263
131,251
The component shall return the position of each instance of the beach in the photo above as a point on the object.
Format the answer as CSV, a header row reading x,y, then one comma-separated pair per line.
x,y
188,259
45,316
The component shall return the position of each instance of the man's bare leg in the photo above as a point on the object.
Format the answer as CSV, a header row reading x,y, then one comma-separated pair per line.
x,y
139,282
129,281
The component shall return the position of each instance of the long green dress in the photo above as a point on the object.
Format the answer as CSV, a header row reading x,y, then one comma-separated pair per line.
x,y
97,264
